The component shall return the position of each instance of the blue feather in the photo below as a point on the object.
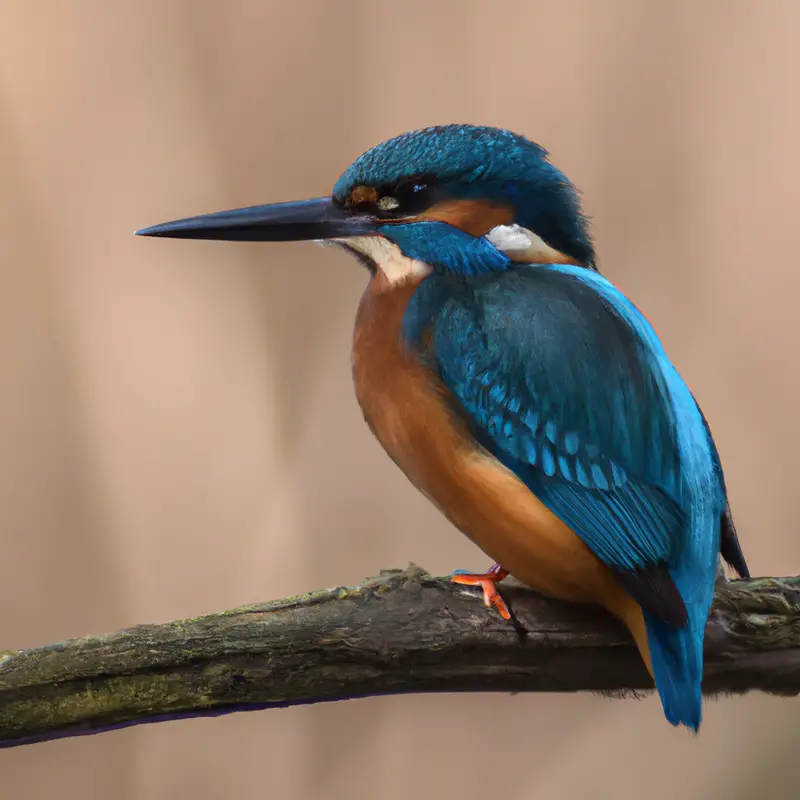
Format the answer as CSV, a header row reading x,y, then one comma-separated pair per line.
x,y
677,658
447,247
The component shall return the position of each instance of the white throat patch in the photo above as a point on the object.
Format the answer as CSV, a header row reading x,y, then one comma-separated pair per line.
x,y
389,258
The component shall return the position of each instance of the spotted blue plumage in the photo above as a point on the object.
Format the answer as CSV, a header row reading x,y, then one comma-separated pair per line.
x,y
565,382
464,153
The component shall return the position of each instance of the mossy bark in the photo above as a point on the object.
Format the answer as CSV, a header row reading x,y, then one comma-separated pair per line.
x,y
401,632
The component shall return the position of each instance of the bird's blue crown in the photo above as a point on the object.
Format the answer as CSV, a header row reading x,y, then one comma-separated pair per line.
x,y
470,162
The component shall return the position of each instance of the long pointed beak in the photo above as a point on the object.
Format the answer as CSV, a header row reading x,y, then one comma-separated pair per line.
x,y
279,222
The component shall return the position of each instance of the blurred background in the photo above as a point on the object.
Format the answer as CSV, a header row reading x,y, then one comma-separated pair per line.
x,y
178,432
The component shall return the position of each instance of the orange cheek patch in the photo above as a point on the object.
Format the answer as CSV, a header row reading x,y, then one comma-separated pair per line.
x,y
475,217
362,194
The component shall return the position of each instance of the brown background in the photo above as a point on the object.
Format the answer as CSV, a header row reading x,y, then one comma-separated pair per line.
x,y
177,427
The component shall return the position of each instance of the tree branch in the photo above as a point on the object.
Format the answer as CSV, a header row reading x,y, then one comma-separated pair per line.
x,y
401,632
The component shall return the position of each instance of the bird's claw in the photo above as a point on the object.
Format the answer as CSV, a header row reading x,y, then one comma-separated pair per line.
x,y
488,582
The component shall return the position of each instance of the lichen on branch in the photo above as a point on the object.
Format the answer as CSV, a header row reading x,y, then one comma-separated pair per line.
x,y
403,631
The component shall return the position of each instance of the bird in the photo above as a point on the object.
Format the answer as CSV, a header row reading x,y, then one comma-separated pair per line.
x,y
518,388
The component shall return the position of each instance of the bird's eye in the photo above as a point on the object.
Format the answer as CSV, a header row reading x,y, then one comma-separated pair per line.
x,y
411,196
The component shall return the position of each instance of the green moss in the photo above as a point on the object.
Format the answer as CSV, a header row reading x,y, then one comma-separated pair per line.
x,y
323,648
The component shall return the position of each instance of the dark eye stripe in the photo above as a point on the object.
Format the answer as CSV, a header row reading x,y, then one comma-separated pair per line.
x,y
407,196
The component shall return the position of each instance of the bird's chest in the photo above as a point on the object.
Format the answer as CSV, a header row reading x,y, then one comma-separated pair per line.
x,y
403,401
407,408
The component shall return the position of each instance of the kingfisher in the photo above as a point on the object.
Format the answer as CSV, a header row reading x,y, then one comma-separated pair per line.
x,y
518,389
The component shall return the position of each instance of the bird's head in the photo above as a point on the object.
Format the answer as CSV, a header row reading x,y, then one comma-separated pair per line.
x,y
457,198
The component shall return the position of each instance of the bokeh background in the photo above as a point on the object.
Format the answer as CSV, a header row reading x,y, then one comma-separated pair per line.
x,y
178,432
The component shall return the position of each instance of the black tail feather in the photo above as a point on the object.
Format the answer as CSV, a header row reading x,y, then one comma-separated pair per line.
x,y
730,548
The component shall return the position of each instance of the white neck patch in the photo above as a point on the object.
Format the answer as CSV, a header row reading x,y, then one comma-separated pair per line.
x,y
520,244
389,258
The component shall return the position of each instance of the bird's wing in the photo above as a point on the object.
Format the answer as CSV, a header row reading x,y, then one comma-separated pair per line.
x,y
730,548
561,389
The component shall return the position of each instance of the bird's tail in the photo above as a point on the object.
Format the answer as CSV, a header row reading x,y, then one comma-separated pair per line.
x,y
676,655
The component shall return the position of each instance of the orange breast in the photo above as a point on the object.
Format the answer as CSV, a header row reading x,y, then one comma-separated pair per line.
x,y
406,407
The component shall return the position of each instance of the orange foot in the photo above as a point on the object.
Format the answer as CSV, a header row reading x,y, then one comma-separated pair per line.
x,y
487,581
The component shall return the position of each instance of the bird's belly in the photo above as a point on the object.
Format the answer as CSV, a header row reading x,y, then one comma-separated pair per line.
x,y
489,504
409,411
512,526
